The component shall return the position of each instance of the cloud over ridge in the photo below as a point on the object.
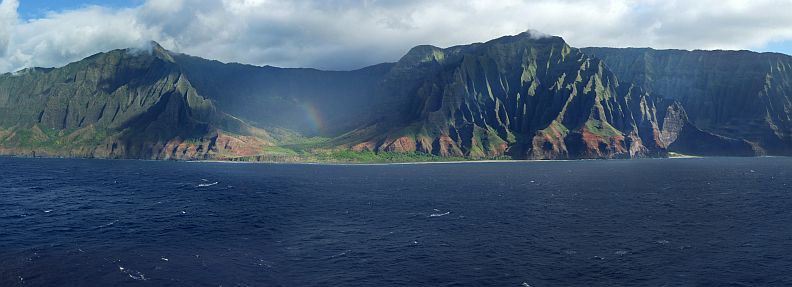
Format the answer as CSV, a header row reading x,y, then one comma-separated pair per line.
x,y
353,34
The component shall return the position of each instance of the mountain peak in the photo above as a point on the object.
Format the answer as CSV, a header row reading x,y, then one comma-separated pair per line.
x,y
530,35
423,54
534,34
158,51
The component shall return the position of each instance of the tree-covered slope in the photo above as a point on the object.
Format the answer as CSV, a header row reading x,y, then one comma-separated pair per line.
x,y
737,94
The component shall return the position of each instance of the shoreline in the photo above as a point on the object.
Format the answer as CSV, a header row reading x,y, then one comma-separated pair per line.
x,y
486,161
390,163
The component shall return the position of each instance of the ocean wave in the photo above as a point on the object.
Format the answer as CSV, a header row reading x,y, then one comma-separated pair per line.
x,y
136,275
340,254
440,214
208,184
107,225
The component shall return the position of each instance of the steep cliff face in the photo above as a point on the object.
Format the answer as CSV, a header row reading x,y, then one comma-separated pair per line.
x,y
120,104
736,94
519,96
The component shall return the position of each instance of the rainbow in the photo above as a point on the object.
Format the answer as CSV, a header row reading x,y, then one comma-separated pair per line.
x,y
313,116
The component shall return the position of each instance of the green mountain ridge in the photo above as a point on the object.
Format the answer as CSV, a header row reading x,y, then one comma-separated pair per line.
x,y
120,104
523,97
518,97
738,94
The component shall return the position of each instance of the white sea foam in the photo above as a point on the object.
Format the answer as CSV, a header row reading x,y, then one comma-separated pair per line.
x,y
263,263
339,254
108,225
620,252
440,214
136,275
208,184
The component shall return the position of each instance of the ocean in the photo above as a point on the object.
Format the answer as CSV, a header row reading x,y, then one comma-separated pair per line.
x,y
649,222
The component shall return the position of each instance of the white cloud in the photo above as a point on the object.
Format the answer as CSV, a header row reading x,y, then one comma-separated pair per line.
x,y
8,17
347,34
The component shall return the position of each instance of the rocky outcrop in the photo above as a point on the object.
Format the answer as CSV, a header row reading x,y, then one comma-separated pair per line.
x,y
681,135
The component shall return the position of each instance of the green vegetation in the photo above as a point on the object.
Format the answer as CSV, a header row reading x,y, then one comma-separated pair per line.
x,y
53,139
556,130
372,157
279,150
348,156
601,128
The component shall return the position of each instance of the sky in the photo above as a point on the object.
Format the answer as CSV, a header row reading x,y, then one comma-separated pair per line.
x,y
348,34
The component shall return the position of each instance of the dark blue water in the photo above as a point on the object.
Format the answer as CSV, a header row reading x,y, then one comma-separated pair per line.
x,y
671,222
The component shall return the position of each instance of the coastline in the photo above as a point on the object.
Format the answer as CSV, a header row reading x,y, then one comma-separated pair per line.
x,y
345,163
391,163
381,162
